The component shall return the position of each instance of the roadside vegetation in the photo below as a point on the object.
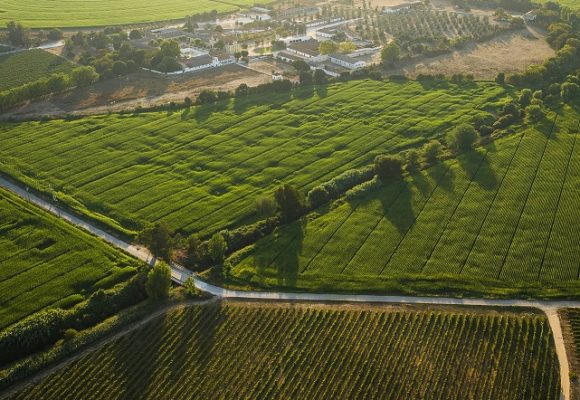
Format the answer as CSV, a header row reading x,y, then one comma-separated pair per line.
x,y
298,351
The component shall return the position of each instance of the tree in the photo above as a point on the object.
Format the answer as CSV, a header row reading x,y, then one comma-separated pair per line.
x,y
525,97
569,91
157,238
290,201
18,35
170,48
461,138
346,47
54,34
119,68
158,281
305,79
387,167
533,113
412,160
390,53
327,47
319,77
500,78
193,251
243,90
135,34
301,66
206,97
216,247
168,64
84,76
431,151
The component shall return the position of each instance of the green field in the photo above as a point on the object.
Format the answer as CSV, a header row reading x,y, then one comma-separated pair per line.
x,y
27,66
573,317
203,169
45,262
508,212
87,13
244,351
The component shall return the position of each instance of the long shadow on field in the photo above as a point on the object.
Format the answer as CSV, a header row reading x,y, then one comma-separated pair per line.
x,y
211,317
287,262
479,170
186,343
321,91
136,355
400,211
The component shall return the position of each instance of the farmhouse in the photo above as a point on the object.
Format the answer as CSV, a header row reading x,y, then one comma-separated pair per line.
x,y
295,39
199,62
346,61
307,50
298,12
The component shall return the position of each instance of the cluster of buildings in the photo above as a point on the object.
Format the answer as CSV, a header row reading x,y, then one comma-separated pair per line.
x,y
403,7
307,49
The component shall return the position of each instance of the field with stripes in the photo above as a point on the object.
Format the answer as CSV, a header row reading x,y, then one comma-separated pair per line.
x,y
201,170
507,212
47,263
252,351
89,13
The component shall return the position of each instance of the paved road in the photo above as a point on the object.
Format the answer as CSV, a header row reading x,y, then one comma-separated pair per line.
x,y
180,274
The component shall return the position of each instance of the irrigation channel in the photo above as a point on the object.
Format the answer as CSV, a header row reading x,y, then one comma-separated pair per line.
x,y
179,275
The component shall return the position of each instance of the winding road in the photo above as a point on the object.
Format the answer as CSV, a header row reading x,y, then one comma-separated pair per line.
x,y
180,274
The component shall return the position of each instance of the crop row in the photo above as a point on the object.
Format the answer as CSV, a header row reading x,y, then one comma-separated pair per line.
x,y
499,212
203,172
263,351
43,261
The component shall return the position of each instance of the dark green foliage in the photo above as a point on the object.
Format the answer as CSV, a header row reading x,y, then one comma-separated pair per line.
x,y
306,78
157,238
339,185
570,91
31,334
290,201
432,151
301,66
320,77
217,247
462,138
388,167
241,237
193,251
158,281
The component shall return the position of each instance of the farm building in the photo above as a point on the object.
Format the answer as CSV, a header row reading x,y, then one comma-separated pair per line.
x,y
298,12
346,61
295,39
199,62
401,7
288,57
307,50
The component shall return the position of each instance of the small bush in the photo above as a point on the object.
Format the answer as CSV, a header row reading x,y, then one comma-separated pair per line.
x,y
432,151
388,167
158,281
461,138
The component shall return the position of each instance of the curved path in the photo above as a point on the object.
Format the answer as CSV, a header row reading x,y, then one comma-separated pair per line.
x,y
180,274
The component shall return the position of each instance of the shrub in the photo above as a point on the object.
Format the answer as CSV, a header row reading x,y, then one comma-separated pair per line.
x,y
265,206
317,196
241,237
31,334
461,138
485,130
335,187
412,160
503,122
432,151
158,281
534,113
525,97
388,167
569,91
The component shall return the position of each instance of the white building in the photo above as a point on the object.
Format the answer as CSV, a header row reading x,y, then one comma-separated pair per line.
x,y
308,50
401,7
295,39
346,61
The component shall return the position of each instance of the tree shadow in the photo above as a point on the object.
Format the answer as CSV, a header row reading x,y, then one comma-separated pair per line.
x,y
287,263
443,175
304,93
205,335
321,90
399,211
149,337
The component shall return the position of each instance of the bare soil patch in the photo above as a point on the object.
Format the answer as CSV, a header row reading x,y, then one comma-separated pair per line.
x,y
141,89
509,53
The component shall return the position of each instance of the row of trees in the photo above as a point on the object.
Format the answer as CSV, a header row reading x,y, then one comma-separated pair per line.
x,y
78,77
